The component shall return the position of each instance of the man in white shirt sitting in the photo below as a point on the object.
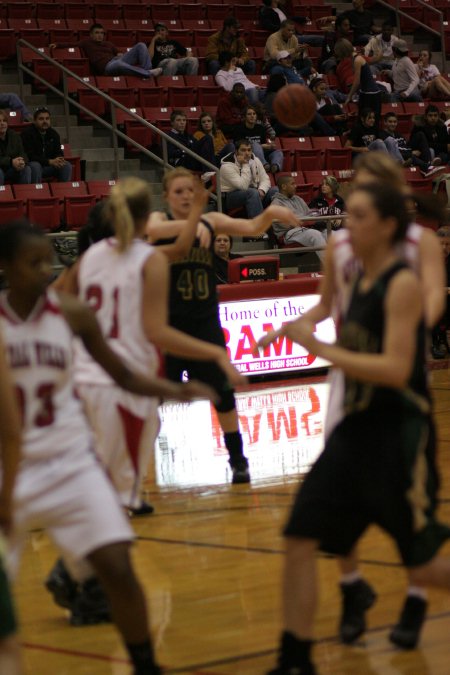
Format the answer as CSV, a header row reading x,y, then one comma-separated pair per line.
x,y
379,48
244,181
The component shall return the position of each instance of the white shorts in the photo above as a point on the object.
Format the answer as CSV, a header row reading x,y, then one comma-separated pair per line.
x,y
125,428
70,497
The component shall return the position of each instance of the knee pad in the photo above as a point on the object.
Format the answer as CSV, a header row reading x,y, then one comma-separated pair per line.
x,y
227,401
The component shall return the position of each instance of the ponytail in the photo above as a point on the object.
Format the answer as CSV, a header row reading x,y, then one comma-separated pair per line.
x,y
128,207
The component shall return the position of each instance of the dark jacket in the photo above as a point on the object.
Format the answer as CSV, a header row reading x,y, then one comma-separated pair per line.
x,y
169,49
10,148
175,155
41,147
438,137
230,112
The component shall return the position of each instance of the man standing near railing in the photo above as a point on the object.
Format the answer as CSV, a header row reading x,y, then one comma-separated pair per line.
x,y
104,57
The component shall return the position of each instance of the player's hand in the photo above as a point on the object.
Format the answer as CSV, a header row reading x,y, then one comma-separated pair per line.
x,y
267,340
192,390
283,214
302,332
201,195
203,235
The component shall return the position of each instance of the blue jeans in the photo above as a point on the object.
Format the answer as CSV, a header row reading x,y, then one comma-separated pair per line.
x,y
134,62
184,66
312,40
249,67
13,102
250,199
39,172
22,177
255,95
266,156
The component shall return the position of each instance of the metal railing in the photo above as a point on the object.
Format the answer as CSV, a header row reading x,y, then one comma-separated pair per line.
x,y
112,126
395,5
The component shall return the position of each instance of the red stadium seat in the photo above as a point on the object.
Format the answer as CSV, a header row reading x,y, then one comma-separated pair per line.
x,y
126,97
191,11
324,142
19,10
44,211
100,188
195,24
218,12
74,188
122,116
77,10
208,95
151,97
299,143
163,13
338,159
11,209
414,108
49,10
307,160
8,42
316,177
298,176
34,190
177,97
92,101
121,37
139,133
6,192
305,191
76,209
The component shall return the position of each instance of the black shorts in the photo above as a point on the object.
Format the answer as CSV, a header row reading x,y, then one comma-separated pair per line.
x,y
374,470
204,371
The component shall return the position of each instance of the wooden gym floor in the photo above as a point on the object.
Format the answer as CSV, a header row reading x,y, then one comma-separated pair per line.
x,y
210,557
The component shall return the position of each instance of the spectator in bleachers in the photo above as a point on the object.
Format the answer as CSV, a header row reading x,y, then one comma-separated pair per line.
x,y
328,203
275,82
203,146
105,59
42,145
404,75
14,165
263,146
170,55
414,153
284,40
305,235
380,49
207,127
294,74
436,134
13,102
342,29
365,136
431,83
231,109
229,74
327,106
355,78
244,181
271,17
228,40
222,254
361,21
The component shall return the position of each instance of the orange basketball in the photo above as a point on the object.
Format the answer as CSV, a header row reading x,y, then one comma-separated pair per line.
x,y
294,105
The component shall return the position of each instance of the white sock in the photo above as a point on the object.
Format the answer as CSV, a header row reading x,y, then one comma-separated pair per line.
x,y
417,592
350,578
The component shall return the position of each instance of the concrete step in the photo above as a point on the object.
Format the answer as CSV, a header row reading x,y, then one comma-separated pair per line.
x,y
99,154
14,88
101,170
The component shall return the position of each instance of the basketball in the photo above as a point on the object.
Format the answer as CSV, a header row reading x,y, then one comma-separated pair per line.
x,y
294,105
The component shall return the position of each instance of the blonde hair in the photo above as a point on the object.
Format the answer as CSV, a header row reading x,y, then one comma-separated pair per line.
x,y
170,176
130,201
380,165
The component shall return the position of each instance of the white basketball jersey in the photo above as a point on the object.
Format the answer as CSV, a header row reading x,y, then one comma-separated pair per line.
x,y
39,353
111,283
345,264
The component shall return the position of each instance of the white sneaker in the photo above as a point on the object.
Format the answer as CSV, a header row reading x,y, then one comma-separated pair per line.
x,y
155,72
432,170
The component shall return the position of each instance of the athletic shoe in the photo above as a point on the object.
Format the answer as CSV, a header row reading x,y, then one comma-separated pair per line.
x,y
437,161
61,585
145,509
357,599
406,633
155,72
432,170
307,669
90,606
240,471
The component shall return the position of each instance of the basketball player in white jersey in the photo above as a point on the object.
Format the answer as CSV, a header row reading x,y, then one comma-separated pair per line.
x,y
421,251
61,487
10,440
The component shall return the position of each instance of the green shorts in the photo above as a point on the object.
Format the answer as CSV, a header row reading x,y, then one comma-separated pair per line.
x,y
8,624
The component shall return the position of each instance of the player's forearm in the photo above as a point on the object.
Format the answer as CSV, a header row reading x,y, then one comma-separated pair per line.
x,y
143,386
177,343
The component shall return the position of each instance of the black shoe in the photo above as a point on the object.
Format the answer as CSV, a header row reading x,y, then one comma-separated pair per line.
x,y
407,631
145,509
357,599
307,669
91,605
240,471
61,585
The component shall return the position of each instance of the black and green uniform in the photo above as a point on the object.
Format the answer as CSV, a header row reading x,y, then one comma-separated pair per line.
x,y
375,467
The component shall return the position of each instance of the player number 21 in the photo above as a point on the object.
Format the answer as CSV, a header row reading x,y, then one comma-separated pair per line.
x,y
94,298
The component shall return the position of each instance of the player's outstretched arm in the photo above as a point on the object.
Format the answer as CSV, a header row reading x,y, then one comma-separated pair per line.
x,y
84,324
10,441
247,228
391,368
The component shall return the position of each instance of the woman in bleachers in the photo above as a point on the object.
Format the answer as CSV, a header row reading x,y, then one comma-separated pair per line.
x,y
207,127
14,166
327,106
230,74
328,203
431,83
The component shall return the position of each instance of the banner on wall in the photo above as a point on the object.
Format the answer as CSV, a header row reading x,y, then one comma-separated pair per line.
x,y
244,322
